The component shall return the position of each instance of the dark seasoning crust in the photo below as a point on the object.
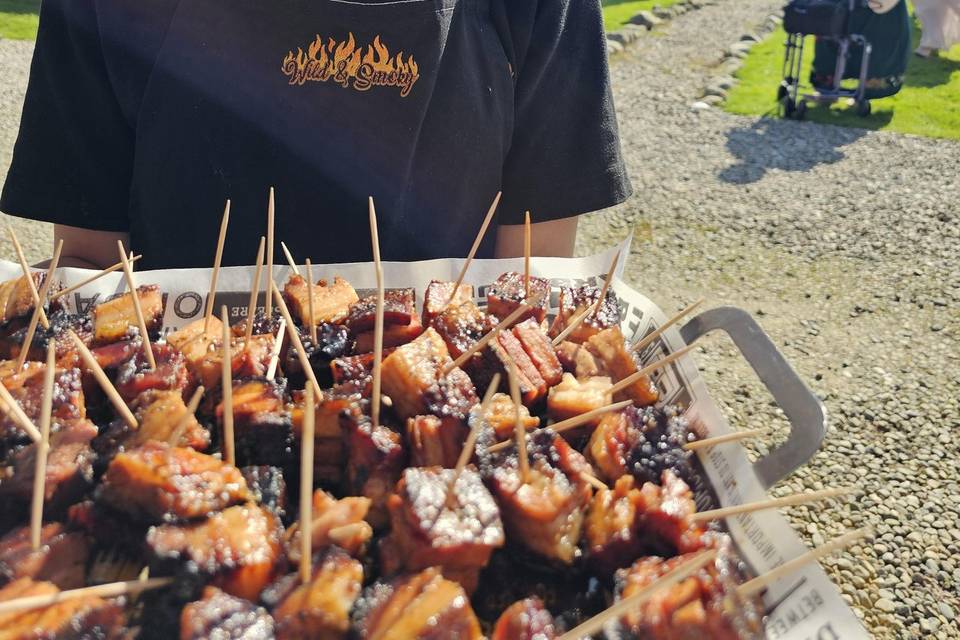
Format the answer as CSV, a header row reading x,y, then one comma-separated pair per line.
x,y
396,553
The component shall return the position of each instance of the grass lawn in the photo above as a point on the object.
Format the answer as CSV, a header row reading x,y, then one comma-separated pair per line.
x,y
927,105
18,19
617,12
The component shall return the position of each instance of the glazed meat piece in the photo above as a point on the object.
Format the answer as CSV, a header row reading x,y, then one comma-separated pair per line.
x,y
158,414
160,483
73,619
526,620
268,488
60,323
576,300
239,549
545,513
100,522
263,431
328,437
135,375
610,350
501,417
375,459
612,442
424,606
399,308
509,291
435,442
437,297
660,447
533,388
16,297
224,617
111,356
413,377
539,349
197,348
69,471
333,341
356,368
668,512
321,607
461,325
432,528
574,397
331,300
61,558
340,522
116,318
577,359
26,386
262,325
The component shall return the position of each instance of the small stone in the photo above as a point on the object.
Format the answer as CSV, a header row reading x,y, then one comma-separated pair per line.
x,y
613,47
699,105
885,605
946,611
646,19
713,100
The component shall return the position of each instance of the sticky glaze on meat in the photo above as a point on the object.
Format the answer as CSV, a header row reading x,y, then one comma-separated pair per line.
x,y
224,617
116,318
437,297
135,375
375,460
74,619
61,558
527,619
268,488
334,522
331,300
574,301
263,432
509,291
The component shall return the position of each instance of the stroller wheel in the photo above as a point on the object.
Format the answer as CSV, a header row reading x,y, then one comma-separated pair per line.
x,y
801,110
863,108
789,107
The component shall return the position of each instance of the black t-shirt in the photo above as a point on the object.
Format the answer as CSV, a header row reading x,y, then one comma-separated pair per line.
x,y
146,115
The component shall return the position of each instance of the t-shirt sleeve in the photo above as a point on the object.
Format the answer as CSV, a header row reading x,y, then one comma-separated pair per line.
x,y
73,157
565,156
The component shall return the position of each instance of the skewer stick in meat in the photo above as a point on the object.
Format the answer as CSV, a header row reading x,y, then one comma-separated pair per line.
x,y
653,335
144,335
650,368
111,590
275,352
476,245
678,575
181,426
108,389
574,422
518,430
378,320
752,587
736,436
526,255
43,448
271,210
295,339
226,378
575,322
490,335
254,293
313,325
289,256
306,484
606,284
38,309
468,447
14,410
218,257
93,278
596,483
28,275
772,503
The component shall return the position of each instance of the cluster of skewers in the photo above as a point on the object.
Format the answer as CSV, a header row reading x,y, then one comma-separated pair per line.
x,y
461,471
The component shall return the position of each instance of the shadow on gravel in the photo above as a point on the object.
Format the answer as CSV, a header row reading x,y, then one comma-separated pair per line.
x,y
772,143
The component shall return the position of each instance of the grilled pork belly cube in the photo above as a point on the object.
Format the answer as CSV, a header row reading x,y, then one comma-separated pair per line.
x,y
263,431
577,359
573,397
668,513
61,558
158,414
509,291
539,349
160,483
16,297
26,386
610,350
461,325
437,297
544,514
321,607
433,441
328,442
612,441
432,528
501,417
424,606
401,324
135,375
111,356
375,460
268,488
338,522
116,318
60,323
526,620
352,368
413,377
613,531
576,300
239,548
69,472
224,617
533,388
202,351
333,341
72,619
331,300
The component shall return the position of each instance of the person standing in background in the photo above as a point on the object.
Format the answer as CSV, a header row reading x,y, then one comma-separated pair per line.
x,y
941,25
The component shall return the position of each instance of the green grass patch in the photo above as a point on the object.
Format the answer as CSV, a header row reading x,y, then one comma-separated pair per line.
x,y
616,13
927,105
18,19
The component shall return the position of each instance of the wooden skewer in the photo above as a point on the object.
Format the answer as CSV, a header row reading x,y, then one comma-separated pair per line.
x,y
736,436
254,293
218,257
43,448
28,275
594,482
191,413
606,284
519,432
144,335
289,256
91,363
378,319
306,484
592,310
271,209
468,447
752,587
313,325
680,573
575,322
226,379
275,352
111,590
653,335
94,278
475,247
650,368
526,255
771,503
482,342
15,411
571,423
38,309
295,339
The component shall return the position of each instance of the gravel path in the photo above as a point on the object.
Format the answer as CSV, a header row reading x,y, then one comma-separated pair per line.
x,y
846,245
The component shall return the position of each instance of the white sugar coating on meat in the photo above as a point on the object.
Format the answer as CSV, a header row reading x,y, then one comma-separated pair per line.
x,y
475,518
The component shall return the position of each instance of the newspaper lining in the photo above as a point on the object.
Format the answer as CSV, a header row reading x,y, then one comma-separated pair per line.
x,y
803,606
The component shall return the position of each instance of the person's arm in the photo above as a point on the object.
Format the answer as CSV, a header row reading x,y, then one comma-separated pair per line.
x,y
87,248
554,238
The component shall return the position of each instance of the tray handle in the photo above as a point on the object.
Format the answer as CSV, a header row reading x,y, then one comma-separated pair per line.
x,y
805,412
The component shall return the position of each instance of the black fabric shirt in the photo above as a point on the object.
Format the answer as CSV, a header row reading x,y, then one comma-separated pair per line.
x,y
145,116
